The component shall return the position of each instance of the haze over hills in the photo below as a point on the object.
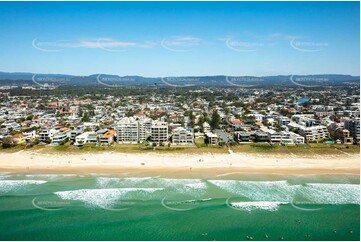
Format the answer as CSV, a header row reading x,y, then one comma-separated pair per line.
x,y
24,78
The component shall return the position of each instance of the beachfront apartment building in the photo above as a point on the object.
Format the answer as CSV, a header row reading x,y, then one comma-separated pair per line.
x,y
182,136
279,137
314,133
130,130
159,132
354,127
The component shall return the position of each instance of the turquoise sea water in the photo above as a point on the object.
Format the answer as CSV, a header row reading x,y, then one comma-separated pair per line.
x,y
223,207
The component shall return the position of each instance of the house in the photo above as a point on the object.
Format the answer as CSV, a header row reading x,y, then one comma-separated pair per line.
x,y
206,127
92,138
59,139
261,136
75,132
18,138
211,138
30,134
343,135
182,136
84,138
107,138
46,134
297,139
243,136
283,120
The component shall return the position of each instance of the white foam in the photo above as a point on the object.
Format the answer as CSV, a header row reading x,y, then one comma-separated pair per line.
x,y
14,185
49,176
326,193
258,190
103,198
249,206
198,185
106,182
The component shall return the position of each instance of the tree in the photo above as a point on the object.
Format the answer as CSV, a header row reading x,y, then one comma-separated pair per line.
x,y
7,142
86,118
214,123
191,119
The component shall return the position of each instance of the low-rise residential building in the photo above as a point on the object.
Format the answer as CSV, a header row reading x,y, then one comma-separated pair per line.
x,y
182,136
75,132
314,133
46,135
297,139
243,136
85,138
59,139
30,134
107,138
211,138
206,127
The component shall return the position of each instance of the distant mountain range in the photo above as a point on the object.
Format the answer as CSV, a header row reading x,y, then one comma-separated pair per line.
x,y
23,78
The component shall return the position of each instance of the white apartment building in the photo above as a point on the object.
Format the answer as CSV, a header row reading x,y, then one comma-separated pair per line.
x,y
297,139
159,132
279,137
182,136
130,130
314,132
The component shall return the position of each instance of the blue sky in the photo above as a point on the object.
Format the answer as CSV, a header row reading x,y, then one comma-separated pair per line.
x,y
180,38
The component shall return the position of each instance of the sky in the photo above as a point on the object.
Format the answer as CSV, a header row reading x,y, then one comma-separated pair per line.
x,y
156,39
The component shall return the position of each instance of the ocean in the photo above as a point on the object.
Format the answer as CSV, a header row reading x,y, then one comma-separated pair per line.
x,y
224,207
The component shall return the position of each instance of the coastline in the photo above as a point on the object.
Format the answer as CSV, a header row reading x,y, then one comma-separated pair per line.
x,y
182,165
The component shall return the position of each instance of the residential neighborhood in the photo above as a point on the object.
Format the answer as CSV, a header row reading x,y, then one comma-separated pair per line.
x,y
202,116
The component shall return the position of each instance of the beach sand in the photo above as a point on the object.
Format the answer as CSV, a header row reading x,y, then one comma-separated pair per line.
x,y
176,164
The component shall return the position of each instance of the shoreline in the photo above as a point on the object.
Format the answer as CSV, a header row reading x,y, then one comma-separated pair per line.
x,y
185,164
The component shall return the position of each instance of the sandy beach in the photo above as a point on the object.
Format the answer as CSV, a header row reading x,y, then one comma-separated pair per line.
x,y
207,163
